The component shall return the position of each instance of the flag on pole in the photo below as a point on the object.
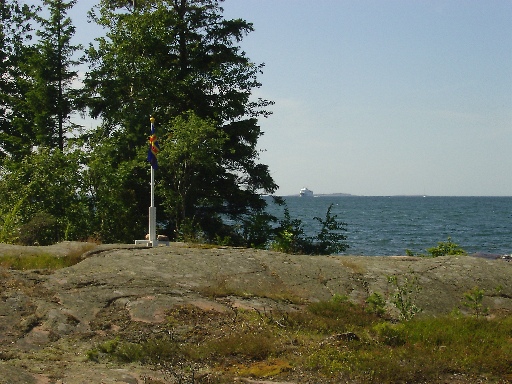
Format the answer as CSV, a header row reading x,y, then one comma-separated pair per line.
x,y
153,146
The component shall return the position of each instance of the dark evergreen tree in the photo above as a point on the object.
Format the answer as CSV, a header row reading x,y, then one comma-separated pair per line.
x,y
166,58
53,67
39,184
16,138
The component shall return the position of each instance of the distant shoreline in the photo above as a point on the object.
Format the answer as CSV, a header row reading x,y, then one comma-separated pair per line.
x,y
350,195
322,194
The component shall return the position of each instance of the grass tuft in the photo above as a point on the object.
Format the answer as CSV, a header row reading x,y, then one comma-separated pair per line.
x,y
263,369
28,261
334,340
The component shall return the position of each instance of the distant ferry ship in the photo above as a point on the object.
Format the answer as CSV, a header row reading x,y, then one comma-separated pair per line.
x,y
304,192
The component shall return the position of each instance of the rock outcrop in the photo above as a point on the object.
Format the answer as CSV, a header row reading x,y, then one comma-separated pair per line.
x,y
48,321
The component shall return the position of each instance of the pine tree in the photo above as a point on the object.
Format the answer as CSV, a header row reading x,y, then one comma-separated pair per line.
x,y
168,58
15,119
53,67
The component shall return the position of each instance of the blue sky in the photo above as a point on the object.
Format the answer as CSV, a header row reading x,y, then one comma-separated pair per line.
x,y
380,97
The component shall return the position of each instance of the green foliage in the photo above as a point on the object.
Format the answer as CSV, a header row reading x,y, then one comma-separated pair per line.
x,y
180,61
9,220
46,182
376,304
151,351
445,249
36,79
339,315
16,30
390,334
190,171
290,236
109,346
52,99
257,230
473,300
330,240
189,232
118,194
28,261
404,296
334,340
42,229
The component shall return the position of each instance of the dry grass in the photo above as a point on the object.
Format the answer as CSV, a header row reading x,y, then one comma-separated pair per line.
x,y
352,265
224,286
332,341
262,369
29,259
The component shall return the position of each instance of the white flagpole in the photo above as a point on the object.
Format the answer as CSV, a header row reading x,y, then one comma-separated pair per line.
x,y
152,209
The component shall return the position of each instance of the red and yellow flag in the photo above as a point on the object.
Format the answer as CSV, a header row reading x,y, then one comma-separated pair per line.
x,y
154,148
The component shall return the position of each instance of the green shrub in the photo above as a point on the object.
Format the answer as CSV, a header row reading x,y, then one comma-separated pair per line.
x,y
375,303
290,237
190,231
257,344
393,335
109,346
339,315
330,240
151,351
473,301
405,296
42,229
257,230
445,249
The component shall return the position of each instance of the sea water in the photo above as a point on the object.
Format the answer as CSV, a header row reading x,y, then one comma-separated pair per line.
x,y
391,225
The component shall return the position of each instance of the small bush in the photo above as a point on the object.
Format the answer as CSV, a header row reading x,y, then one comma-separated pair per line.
x,y
446,249
109,346
405,296
256,344
330,239
42,229
151,351
339,315
257,230
375,303
290,237
473,300
391,334
443,248
190,231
